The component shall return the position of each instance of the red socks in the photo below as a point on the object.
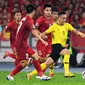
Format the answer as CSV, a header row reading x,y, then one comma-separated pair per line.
x,y
17,69
12,56
38,67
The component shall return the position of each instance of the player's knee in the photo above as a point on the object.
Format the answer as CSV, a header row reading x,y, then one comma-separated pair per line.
x,y
42,60
35,57
68,52
24,63
65,51
49,61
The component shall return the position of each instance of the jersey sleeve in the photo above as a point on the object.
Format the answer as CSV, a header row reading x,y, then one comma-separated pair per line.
x,y
38,22
70,27
50,29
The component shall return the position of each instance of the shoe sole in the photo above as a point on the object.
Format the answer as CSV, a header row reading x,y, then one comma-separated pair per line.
x,y
69,76
45,79
8,79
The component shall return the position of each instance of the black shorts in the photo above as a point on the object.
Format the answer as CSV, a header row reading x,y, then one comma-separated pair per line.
x,y
56,49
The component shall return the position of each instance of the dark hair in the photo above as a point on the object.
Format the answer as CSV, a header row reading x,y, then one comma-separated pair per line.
x,y
66,9
47,5
16,12
30,8
54,9
61,13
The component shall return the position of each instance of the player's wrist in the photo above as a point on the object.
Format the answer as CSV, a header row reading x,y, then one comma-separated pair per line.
x,y
80,34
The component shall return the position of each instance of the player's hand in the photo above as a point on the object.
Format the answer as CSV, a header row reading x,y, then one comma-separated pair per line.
x,y
44,42
45,37
82,35
36,39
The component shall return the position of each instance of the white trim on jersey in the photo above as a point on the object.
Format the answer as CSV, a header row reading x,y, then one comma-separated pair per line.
x,y
20,24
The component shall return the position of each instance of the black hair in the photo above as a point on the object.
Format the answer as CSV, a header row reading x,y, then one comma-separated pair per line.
x,y
66,9
54,9
47,5
17,12
61,13
30,8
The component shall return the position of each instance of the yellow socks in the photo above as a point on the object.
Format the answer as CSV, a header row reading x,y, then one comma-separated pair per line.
x,y
66,63
51,70
43,66
66,67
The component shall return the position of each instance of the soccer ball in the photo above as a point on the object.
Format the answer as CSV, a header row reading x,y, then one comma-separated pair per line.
x,y
83,74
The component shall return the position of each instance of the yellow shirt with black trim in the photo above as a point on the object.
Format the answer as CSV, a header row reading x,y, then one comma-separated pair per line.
x,y
59,33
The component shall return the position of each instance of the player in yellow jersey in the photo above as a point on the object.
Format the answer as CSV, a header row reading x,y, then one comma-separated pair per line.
x,y
59,32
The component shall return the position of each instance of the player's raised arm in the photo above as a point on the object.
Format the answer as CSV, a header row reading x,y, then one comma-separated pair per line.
x,y
43,34
35,33
49,30
79,33
71,28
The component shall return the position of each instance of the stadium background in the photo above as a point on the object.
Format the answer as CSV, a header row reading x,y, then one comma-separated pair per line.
x,y
76,18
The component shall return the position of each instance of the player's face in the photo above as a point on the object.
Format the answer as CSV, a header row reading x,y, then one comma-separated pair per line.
x,y
18,16
33,13
62,19
48,11
55,15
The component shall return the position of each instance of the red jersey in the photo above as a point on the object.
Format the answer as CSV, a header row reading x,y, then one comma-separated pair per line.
x,y
12,28
43,24
25,27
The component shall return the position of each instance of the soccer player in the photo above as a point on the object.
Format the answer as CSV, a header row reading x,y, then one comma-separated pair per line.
x,y
42,24
23,50
55,14
59,32
11,29
68,43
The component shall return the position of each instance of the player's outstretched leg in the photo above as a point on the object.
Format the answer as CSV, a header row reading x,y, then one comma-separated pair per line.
x,y
17,69
7,53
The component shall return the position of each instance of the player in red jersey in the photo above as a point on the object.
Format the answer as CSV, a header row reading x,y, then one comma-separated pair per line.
x,y
12,29
55,14
23,50
42,24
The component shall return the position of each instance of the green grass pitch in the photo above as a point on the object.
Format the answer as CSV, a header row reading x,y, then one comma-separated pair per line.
x,y
57,79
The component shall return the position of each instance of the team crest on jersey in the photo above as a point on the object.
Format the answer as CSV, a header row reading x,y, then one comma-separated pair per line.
x,y
58,29
66,29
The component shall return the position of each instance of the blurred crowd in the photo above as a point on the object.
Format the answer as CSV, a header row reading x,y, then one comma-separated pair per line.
x,y
76,9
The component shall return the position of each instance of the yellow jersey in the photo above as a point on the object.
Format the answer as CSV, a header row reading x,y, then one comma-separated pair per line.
x,y
59,33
